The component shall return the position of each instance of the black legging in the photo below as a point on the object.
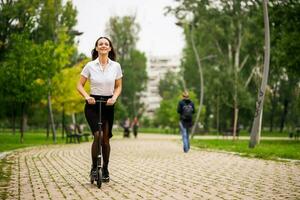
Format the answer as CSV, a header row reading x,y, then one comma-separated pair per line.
x,y
104,143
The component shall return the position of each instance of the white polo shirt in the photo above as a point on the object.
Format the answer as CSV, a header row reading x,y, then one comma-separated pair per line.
x,y
102,81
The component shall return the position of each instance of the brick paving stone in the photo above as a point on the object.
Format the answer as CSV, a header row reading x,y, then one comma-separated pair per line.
x,y
150,167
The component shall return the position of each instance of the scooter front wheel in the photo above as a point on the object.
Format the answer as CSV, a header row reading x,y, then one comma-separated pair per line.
x,y
99,178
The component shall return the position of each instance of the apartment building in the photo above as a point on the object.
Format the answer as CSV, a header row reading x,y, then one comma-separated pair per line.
x,y
157,67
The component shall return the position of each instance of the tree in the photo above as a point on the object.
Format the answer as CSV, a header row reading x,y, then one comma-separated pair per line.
x,y
256,127
123,31
284,20
22,77
16,21
54,23
222,30
65,98
284,71
45,27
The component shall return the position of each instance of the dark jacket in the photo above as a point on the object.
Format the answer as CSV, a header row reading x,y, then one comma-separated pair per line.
x,y
181,103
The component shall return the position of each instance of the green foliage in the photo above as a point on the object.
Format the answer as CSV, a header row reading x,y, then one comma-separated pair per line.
x,y
134,70
16,17
169,86
120,111
22,71
285,70
65,95
36,42
55,18
167,115
216,32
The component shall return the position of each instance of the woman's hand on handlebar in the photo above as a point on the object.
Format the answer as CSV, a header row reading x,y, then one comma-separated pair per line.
x,y
111,101
90,100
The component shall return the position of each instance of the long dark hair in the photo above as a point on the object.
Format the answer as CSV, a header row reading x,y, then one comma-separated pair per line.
x,y
111,54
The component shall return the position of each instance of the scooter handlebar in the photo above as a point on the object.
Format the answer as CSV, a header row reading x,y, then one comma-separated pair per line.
x,y
102,101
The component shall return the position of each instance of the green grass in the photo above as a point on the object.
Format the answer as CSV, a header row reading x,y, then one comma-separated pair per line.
x,y
8,141
267,134
212,132
158,130
5,171
267,149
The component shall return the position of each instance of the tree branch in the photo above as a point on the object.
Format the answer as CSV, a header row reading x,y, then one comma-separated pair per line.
x,y
243,63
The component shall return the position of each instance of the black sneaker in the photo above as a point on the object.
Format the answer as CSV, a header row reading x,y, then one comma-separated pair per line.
x,y
93,172
105,175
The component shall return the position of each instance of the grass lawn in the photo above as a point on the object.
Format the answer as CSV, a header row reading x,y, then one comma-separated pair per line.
x,y
5,171
267,149
8,141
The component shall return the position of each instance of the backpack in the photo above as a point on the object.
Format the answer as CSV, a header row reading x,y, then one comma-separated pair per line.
x,y
187,112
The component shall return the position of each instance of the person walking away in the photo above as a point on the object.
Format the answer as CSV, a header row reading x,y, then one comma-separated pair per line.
x,y
186,109
105,76
135,126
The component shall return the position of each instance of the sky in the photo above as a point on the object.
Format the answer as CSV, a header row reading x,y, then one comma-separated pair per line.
x,y
159,36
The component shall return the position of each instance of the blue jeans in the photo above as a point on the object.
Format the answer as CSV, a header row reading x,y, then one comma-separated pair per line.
x,y
185,137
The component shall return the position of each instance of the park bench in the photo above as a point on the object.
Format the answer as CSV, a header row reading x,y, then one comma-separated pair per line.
x,y
229,132
295,134
80,130
71,135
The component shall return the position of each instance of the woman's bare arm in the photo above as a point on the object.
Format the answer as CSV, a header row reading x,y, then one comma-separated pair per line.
x,y
117,92
81,90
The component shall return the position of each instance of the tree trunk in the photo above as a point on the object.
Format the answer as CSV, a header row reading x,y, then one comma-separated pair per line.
x,y
236,70
273,108
256,127
74,121
63,121
218,115
23,122
201,83
51,117
48,125
13,121
284,114
235,121
134,105
207,117
73,118
272,118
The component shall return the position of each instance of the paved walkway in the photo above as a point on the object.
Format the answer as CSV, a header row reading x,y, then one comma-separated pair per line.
x,y
150,167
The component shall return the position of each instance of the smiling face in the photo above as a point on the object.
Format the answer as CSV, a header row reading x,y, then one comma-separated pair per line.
x,y
103,46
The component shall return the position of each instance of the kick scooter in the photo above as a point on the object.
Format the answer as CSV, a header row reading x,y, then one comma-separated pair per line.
x,y
97,175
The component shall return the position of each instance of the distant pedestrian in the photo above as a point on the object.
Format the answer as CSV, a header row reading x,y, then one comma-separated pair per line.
x,y
135,126
186,109
126,127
